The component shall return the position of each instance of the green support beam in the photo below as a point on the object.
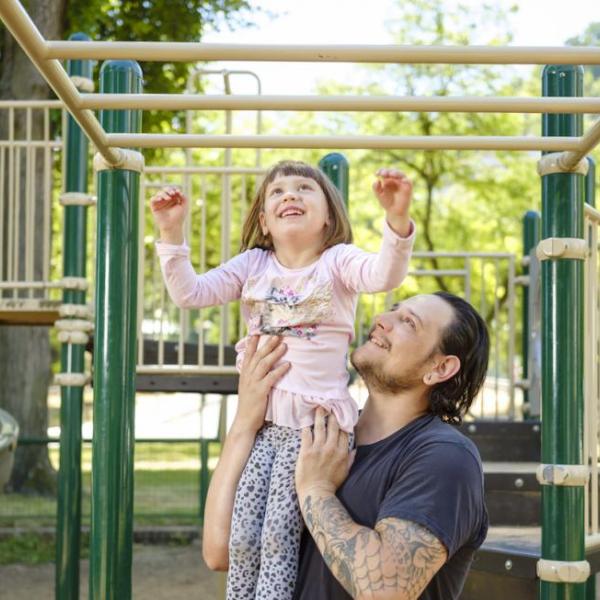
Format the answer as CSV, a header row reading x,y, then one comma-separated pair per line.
x,y
531,237
563,528
68,518
115,332
336,167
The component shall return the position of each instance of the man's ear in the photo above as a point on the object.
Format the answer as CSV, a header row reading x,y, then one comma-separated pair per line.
x,y
445,368
263,222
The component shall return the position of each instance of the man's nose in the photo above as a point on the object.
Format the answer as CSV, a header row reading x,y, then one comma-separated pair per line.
x,y
383,321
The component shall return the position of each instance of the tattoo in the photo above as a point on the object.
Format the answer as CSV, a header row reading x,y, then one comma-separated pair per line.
x,y
396,557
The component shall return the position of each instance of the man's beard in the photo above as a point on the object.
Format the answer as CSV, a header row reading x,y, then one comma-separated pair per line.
x,y
376,380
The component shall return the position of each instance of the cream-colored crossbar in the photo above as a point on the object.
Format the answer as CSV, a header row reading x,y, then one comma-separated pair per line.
x,y
30,39
587,142
341,103
124,140
444,55
185,370
206,170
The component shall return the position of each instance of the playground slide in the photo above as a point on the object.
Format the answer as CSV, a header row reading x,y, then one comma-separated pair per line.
x,y
9,432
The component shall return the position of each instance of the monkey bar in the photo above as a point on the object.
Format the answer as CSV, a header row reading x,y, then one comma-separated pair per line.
x,y
467,104
46,55
398,54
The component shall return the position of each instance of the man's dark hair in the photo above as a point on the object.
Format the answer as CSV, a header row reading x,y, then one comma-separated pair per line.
x,y
467,338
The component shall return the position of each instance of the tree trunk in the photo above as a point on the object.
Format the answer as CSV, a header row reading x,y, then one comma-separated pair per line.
x,y
25,351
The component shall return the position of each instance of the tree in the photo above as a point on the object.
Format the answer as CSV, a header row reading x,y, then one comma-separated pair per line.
x,y
590,37
25,351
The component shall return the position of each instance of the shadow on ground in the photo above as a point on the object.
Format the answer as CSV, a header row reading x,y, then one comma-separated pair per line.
x,y
159,573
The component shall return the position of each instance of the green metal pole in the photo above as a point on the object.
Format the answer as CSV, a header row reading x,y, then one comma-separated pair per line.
x,y
68,518
563,528
336,167
531,238
114,366
590,182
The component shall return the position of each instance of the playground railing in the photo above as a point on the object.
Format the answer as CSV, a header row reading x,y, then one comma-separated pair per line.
x,y
30,160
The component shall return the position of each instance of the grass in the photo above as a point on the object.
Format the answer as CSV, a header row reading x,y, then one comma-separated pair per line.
x,y
166,492
30,549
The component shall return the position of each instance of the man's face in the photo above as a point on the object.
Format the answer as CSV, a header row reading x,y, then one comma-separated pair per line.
x,y
402,344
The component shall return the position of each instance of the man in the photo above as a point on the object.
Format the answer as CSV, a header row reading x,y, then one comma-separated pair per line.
x,y
404,521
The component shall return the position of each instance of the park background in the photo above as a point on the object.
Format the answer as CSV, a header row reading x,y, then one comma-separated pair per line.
x,y
463,200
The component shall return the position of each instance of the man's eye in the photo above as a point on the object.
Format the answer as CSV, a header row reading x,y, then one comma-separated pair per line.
x,y
410,322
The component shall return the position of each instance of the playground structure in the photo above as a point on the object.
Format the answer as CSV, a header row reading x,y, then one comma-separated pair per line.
x,y
567,254
9,432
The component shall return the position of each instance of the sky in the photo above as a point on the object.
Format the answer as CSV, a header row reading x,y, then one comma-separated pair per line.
x,y
537,23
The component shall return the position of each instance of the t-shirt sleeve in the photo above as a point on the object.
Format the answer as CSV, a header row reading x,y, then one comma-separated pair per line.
x,y
370,272
189,289
442,490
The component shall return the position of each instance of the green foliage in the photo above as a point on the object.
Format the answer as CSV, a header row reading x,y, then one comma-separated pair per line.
x,y
590,37
156,20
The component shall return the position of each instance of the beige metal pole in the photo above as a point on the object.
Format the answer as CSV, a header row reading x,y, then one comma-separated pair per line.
x,y
33,44
342,103
188,52
587,142
524,143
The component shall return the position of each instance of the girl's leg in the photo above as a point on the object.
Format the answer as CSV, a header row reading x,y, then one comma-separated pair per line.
x,y
283,523
247,519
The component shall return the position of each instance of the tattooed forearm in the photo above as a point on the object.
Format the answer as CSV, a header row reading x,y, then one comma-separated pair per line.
x,y
396,559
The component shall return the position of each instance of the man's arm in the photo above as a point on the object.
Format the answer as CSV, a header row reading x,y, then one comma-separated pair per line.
x,y
257,376
396,560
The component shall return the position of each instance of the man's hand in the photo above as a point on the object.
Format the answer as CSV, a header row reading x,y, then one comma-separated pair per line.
x,y
394,192
257,376
324,461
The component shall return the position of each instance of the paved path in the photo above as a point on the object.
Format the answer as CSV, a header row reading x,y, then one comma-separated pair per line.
x,y
159,573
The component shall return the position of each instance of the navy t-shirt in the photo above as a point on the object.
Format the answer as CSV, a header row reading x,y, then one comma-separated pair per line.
x,y
427,473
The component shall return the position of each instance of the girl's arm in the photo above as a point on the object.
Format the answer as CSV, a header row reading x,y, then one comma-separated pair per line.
x,y
366,272
187,289
362,271
257,377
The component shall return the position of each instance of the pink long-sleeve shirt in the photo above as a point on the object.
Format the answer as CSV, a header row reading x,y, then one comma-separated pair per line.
x,y
314,307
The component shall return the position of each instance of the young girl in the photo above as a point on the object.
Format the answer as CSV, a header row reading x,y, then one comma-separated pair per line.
x,y
298,276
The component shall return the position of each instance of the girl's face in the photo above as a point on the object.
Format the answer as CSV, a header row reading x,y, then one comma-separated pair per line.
x,y
295,207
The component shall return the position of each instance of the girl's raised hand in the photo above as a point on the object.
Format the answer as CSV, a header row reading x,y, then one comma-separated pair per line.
x,y
169,207
394,192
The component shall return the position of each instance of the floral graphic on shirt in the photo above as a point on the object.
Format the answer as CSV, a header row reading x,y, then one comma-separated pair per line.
x,y
290,311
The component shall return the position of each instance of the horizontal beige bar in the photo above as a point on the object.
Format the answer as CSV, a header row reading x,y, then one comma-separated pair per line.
x,y
17,21
185,51
29,285
31,143
438,273
185,370
18,104
206,170
345,103
123,140
482,255
588,142
591,213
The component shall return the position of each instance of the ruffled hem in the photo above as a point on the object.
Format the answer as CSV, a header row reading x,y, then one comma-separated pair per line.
x,y
294,410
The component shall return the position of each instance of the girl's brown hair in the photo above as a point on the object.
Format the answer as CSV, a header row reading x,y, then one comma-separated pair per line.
x,y
338,231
